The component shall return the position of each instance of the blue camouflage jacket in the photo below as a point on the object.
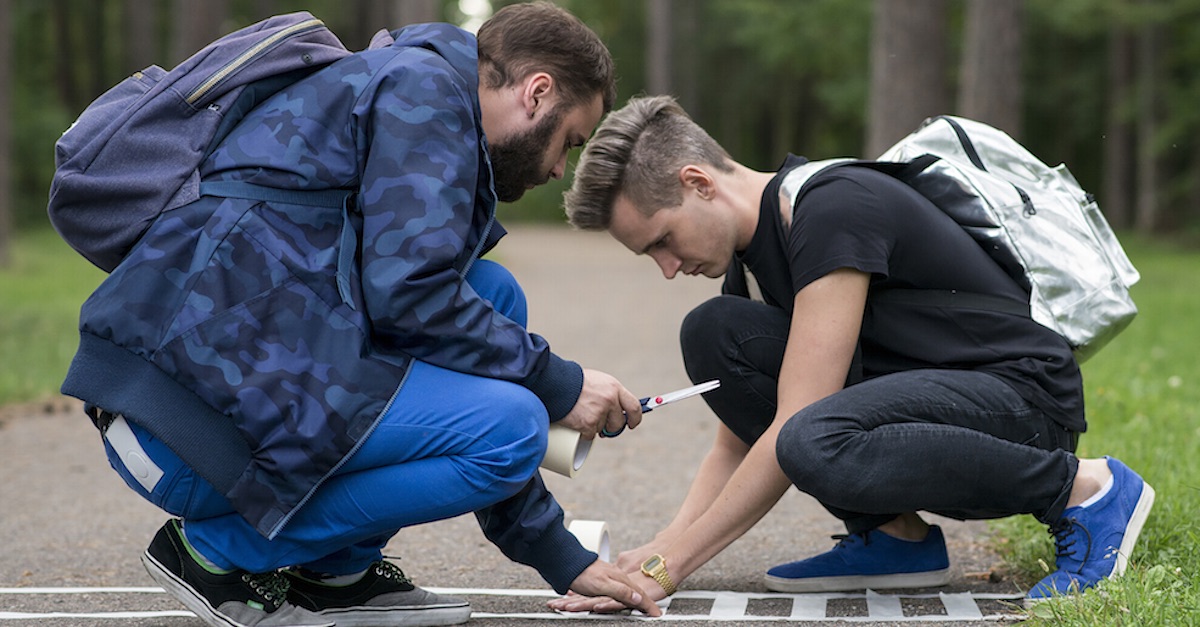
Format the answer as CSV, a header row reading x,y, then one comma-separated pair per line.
x,y
263,340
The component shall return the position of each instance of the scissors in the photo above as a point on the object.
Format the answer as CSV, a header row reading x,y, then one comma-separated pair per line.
x,y
650,402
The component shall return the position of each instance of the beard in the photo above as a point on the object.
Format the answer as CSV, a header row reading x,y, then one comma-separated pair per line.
x,y
517,161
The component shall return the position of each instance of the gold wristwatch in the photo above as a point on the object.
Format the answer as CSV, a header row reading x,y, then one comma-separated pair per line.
x,y
655,567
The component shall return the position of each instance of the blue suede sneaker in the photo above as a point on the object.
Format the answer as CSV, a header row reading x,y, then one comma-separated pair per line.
x,y
1094,542
871,559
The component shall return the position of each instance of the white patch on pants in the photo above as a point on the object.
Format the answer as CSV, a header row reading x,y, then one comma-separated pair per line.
x,y
136,461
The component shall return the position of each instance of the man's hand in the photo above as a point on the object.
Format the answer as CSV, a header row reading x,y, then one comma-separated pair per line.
x,y
604,588
603,404
631,561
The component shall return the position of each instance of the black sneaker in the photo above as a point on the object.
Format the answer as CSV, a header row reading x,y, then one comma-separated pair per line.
x,y
383,597
234,599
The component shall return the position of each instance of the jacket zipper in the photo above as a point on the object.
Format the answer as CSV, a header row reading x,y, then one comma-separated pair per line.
x,y
338,466
246,57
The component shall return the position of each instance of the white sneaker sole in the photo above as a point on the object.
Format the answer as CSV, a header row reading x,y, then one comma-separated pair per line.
x,y
1141,512
183,593
398,617
927,579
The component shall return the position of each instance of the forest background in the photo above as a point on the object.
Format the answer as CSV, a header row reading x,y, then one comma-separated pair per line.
x,y
1109,87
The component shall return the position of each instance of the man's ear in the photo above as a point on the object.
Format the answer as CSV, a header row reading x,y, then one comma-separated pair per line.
x,y
696,178
536,91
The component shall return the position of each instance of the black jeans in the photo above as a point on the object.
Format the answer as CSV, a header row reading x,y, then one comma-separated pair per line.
x,y
958,443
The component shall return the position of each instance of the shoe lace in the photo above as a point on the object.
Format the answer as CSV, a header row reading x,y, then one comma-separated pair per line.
x,y
1065,538
388,570
847,539
271,586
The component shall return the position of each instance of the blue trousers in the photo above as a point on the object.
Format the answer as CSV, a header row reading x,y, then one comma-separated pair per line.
x,y
450,443
959,443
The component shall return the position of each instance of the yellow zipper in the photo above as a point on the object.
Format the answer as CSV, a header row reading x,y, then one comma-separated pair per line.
x,y
243,58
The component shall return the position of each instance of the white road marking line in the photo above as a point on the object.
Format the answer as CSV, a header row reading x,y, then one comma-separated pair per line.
x,y
726,605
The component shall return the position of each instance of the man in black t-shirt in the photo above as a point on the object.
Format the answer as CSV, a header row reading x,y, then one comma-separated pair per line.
x,y
878,407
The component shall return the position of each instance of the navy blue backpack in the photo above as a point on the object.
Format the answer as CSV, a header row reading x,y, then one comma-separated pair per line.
x,y
135,151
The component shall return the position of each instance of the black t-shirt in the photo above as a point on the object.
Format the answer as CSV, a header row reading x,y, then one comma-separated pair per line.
x,y
856,217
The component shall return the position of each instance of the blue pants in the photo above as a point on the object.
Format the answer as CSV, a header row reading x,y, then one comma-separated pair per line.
x,y
449,444
959,443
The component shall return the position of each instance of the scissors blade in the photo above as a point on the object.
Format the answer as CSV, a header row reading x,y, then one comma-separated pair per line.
x,y
651,402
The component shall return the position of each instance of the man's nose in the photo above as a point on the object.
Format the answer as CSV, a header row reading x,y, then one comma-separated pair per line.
x,y
669,265
560,168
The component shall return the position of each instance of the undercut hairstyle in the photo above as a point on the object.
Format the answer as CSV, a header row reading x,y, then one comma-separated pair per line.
x,y
637,152
521,39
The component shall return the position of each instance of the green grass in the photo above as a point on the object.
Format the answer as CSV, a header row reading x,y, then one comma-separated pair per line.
x,y
1143,401
1143,396
40,294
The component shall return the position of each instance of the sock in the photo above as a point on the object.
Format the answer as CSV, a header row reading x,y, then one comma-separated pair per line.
x,y
200,559
1099,495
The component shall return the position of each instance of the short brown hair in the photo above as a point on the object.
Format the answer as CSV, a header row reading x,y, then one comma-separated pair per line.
x,y
520,39
638,152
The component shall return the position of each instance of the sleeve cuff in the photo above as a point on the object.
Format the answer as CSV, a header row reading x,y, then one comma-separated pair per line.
x,y
558,386
561,559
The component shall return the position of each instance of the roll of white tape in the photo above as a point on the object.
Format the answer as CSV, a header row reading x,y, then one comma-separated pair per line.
x,y
565,451
593,535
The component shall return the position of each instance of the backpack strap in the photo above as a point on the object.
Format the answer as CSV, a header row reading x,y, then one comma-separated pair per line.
x,y
328,198
796,183
952,299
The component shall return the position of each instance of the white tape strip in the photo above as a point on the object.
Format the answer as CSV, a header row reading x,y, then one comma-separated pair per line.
x,y
885,607
961,606
77,590
806,607
32,615
727,606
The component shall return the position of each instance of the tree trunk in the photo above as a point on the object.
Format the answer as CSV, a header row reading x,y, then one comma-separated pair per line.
x,y
908,69
97,74
140,38
1149,175
195,25
415,12
66,70
990,83
370,17
266,8
658,46
1118,137
6,110
685,79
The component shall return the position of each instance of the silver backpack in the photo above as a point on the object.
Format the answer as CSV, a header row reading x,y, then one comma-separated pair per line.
x,y
1034,220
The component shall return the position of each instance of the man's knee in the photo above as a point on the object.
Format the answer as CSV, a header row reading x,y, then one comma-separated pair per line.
x,y
807,454
495,283
520,435
705,332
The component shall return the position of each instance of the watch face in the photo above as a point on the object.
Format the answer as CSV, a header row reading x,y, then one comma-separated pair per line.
x,y
652,562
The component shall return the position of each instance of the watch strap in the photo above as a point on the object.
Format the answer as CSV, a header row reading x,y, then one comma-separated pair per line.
x,y
659,573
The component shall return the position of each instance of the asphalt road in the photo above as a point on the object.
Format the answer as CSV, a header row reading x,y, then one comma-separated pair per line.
x,y
67,521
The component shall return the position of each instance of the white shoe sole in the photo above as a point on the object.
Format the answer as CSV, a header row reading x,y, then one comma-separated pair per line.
x,y
183,593
1141,512
398,617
